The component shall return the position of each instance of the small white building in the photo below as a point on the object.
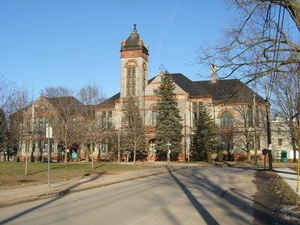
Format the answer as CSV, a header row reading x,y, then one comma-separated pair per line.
x,y
281,139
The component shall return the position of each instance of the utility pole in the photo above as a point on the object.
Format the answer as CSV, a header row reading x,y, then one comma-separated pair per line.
x,y
269,141
48,137
254,126
185,153
119,151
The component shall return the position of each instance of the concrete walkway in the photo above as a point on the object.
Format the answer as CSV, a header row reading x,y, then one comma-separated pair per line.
x,y
36,192
289,176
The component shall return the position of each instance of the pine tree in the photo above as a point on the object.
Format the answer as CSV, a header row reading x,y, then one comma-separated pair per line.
x,y
133,132
168,127
204,139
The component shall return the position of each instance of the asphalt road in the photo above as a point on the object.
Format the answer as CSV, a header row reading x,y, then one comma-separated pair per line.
x,y
201,195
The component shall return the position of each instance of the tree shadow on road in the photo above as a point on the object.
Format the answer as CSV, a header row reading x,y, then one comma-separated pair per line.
x,y
263,214
209,219
285,172
61,194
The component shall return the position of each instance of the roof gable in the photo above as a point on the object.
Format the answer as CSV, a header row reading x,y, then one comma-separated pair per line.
x,y
178,79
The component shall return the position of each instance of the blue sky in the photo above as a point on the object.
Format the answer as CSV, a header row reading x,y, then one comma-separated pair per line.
x,y
73,43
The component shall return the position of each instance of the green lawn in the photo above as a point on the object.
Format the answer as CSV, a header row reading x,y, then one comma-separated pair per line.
x,y
12,173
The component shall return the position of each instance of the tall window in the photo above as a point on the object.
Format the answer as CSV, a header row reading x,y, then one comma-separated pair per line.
x,y
109,119
131,81
106,119
250,116
257,118
195,110
103,120
226,120
279,141
154,117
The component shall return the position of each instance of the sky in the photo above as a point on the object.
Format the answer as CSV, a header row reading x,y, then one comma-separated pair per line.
x,y
72,43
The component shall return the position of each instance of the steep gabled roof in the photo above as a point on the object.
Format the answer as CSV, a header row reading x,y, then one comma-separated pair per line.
x,y
55,101
181,80
110,102
231,90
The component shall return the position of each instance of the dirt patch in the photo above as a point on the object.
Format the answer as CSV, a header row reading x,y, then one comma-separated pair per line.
x,y
274,201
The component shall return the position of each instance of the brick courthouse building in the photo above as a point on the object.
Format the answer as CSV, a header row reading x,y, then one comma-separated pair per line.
x,y
220,97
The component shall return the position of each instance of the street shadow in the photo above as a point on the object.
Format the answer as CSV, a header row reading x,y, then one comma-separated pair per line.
x,y
244,203
285,172
209,219
59,195
99,165
254,168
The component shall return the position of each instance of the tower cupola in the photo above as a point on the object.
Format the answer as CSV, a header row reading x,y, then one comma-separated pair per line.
x,y
134,42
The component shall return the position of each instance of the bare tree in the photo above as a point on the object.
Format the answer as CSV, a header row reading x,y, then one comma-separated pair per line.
x,y
244,128
67,120
52,92
90,95
226,140
3,133
92,130
20,126
292,6
259,45
133,131
7,95
286,99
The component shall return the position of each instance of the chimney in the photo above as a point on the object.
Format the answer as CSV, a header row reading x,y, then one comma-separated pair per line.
x,y
213,73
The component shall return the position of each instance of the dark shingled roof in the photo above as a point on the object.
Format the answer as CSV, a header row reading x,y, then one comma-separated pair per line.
x,y
232,90
110,102
63,100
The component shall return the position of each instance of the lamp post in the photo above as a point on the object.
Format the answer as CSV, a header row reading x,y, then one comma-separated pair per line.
x,y
27,145
48,137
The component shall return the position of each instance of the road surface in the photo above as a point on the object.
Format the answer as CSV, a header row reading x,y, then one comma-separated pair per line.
x,y
200,195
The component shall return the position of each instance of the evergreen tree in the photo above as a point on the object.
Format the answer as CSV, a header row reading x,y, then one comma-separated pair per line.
x,y
168,127
204,139
133,132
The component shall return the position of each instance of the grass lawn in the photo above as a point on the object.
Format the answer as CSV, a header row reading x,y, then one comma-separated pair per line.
x,y
12,173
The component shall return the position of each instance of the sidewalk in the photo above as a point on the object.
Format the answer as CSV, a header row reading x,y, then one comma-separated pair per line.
x,y
289,176
36,192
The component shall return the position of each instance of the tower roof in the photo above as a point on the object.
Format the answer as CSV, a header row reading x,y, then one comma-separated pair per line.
x,y
134,42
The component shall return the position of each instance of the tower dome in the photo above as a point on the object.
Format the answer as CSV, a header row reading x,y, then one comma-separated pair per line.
x,y
134,42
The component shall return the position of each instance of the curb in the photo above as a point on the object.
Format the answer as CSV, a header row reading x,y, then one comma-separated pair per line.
x,y
66,191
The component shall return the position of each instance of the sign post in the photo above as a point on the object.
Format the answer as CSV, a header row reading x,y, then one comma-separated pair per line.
x,y
169,151
48,137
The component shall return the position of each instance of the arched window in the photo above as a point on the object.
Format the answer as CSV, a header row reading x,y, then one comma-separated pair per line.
x,y
226,120
131,81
